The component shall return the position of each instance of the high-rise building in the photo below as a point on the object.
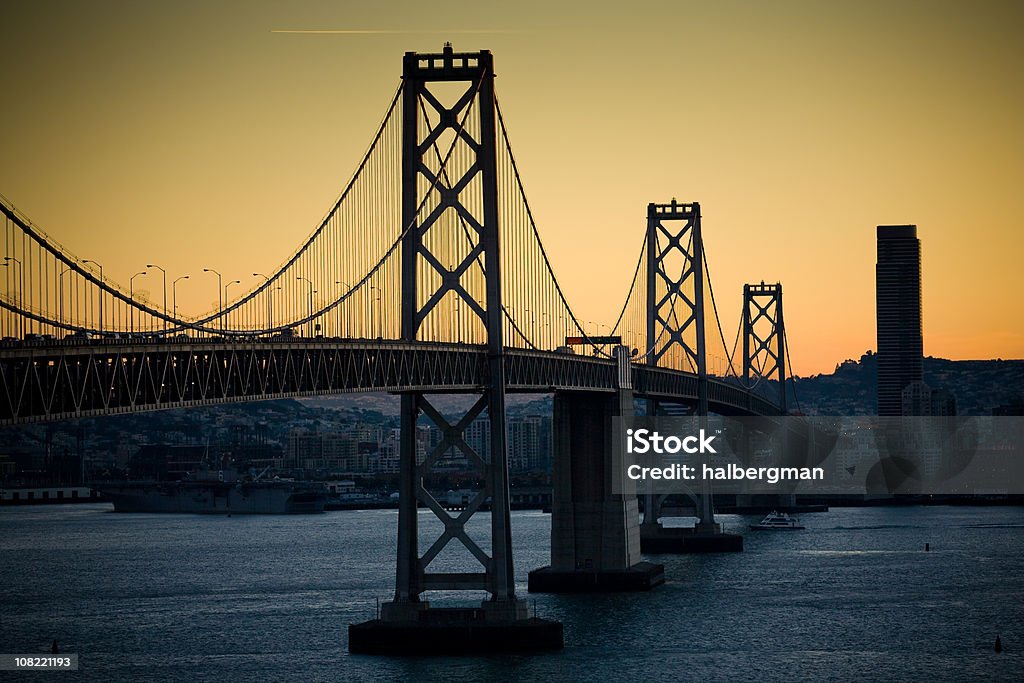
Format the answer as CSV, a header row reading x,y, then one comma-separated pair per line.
x,y
922,400
898,306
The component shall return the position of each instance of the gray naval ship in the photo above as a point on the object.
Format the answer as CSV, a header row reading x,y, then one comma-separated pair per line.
x,y
213,492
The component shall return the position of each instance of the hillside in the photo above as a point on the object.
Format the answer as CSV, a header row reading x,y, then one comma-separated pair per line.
x,y
979,385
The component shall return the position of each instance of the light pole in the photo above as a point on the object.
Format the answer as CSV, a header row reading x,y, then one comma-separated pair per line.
x,y
533,325
61,295
347,292
380,324
174,297
455,304
270,301
458,318
599,326
233,282
99,328
21,290
131,296
275,289
311,293
220,289
152,265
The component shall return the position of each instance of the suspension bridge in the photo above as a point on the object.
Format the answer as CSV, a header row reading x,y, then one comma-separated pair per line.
x,y
427,275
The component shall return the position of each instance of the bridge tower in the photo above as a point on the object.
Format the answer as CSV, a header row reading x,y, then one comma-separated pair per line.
x,y
430,189
764,358
764,337
676,324
675,261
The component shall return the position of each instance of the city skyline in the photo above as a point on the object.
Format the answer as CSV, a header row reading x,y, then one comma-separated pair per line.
x,y
147,131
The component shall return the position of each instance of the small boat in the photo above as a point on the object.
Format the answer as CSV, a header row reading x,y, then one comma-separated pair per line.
x,y
777,520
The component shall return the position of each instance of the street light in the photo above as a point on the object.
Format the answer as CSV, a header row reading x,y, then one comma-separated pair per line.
x,y
220,288
60,296
342,282
99,328
380,327
311,293
131,296
21,290
458,318
455,309
174,297
274,289
151,265
270,300
233,282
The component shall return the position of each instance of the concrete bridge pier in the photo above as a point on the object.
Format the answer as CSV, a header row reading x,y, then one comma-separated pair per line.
x,y
595,533
706,536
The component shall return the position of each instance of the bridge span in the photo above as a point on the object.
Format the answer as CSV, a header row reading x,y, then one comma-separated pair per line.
x,y
68,380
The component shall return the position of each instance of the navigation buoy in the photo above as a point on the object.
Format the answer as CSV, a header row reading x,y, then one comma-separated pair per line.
x,y
998,648
927,547
54,650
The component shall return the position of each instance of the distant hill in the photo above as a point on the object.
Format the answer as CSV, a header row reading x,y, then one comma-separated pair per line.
x,y
979,385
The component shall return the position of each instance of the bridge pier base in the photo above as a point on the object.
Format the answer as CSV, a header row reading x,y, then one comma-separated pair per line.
x,y
409,628
595,536
701,538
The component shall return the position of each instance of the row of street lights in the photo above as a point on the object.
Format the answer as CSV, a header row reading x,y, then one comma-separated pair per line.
x,y
222,291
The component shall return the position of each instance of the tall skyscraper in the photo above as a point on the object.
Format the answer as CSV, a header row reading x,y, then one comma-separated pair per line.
x,y
898,306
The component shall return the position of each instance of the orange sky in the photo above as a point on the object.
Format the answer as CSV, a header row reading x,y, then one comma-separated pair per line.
x,y
137,131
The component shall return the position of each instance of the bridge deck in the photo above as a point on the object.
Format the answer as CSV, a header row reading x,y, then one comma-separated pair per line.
x,y
61,380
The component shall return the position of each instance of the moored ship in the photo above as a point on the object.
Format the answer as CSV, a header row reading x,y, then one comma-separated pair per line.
x,y
218,493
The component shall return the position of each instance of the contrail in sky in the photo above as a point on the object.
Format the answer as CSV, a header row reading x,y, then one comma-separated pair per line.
x,y
358,32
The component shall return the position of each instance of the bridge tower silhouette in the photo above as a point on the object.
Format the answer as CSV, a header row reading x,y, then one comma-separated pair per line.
x,y
502,622
764,359
477,74
676,320
675,260
764,337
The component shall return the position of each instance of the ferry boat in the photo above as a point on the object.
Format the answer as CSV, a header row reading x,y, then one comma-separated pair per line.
x,y
777,520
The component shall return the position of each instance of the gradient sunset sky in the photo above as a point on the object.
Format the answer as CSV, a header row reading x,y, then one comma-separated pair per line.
x,y
192,133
